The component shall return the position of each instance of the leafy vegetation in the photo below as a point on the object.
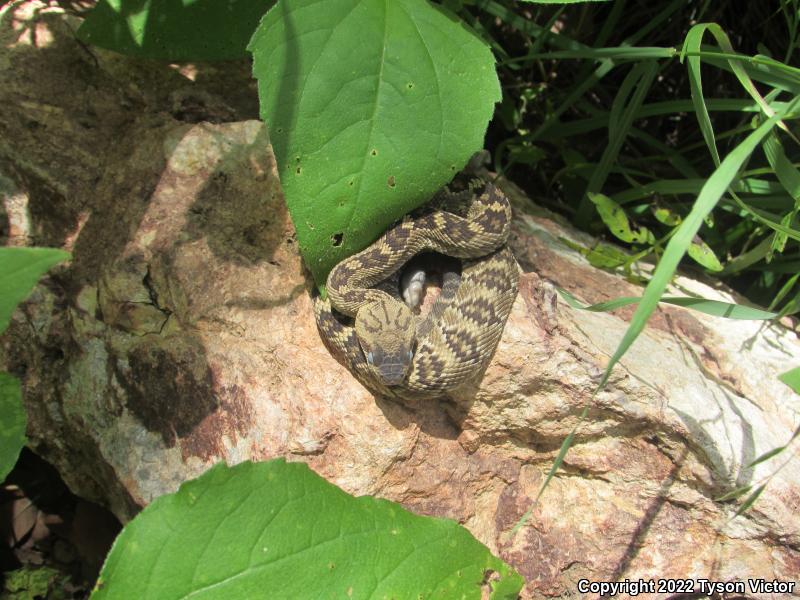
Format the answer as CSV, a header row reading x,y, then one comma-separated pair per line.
x,y
622,134
245,532
38,583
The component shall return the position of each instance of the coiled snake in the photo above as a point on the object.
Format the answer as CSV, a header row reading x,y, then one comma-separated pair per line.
x,y
382,348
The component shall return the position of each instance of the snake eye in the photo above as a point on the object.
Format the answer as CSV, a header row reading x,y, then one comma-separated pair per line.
x,y
369,358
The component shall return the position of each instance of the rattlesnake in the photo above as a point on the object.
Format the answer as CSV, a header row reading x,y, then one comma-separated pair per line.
x,y
380,348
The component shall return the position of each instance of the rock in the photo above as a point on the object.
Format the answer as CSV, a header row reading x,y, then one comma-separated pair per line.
x,y
182,334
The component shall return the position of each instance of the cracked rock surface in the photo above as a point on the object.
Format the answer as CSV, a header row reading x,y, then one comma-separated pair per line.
x,y
182,333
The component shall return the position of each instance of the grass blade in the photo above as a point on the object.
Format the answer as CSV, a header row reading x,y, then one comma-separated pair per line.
x,y
766,456
715,308
624,109
750,499
565,446
737,493
692,44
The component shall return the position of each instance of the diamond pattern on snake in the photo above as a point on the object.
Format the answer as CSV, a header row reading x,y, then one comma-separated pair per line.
x,y
376,334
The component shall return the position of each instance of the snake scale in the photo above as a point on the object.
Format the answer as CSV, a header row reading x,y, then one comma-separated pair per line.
x,y
374,334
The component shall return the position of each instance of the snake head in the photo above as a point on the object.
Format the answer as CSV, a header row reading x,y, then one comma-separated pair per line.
x,y
386,332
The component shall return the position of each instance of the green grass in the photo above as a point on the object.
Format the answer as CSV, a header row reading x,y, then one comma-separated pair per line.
x,y
643,106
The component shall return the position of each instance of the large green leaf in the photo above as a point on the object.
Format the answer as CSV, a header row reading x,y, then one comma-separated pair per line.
x,y
371,106
172,29
277,530
12,423
20,269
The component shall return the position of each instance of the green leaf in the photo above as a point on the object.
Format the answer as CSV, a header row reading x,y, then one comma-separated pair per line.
x,y
693,186
789,177
699,251
792,379
12,423
620,53
175,31
667,216
602,256
786,287
764,217
605,256
20,269
691,47
762,69
786,172
727,310
749,258
525,153
277,530
709,196
372,106
616,220
766,456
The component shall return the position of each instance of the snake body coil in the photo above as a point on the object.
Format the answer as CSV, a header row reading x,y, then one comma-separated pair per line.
x,y
381,348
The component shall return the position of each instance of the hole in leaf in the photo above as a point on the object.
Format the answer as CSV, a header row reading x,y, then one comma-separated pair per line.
x,y
298,170
391,181
310,225
336,239
409,85
374,152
